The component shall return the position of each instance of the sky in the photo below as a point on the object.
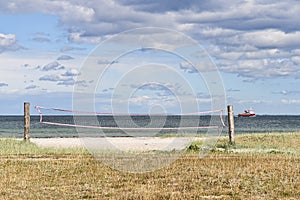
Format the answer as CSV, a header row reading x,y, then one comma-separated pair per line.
x,y
46,46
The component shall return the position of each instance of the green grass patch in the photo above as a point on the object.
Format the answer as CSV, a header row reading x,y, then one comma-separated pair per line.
x,y
182,135
273,140
268,143
274,143
20,147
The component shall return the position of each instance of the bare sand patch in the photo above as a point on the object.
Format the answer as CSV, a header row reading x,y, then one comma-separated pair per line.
x,y
118,143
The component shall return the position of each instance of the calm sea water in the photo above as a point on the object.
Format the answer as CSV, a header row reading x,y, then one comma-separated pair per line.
x,y
12,126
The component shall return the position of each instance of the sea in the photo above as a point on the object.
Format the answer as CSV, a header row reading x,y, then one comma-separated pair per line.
x,y
12,126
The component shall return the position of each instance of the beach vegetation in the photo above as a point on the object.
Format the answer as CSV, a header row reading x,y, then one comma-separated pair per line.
x,y
31,172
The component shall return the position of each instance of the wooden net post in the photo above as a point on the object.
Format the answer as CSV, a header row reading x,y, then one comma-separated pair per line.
x,y
230,124
26,121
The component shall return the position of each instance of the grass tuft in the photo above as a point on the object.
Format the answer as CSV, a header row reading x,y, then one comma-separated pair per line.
x,y
274,143
21,147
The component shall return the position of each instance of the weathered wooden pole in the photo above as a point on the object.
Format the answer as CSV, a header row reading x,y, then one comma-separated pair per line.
x,y
230,124
26,121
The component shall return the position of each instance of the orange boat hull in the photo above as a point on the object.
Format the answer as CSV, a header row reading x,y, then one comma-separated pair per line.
x,y
246,115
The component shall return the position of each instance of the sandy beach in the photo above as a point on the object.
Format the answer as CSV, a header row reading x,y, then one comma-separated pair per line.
x,y
118,143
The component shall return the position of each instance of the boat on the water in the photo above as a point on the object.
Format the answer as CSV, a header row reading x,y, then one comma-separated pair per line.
x,y
247,113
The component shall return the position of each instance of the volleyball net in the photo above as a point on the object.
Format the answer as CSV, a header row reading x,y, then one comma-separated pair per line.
x,y
218,117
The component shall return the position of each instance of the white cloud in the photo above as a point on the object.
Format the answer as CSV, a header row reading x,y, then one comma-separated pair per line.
x,y
288,92
246,38
207,31
290,101
151,86
58,79
30,87
66,82
270,38
254,101
65,57
66,78
71,72
8,42
140,100
160,90
53,78
187,67
150,101
65,9
261,68
53,66
78,38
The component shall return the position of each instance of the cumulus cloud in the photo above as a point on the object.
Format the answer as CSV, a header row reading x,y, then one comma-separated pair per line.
x,y
66,79
65,57
65,9
30,87
288,92
160,89
254,101
27,65
162,7
77,38
70,81
71,72
3,84
145,100
203,98
53,78
107,90
290,101
53,66
59,79
254,39
261,68
270,38
187,67
8,42
140,99
149,86
233,90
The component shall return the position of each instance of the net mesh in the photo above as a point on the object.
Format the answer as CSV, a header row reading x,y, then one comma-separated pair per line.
x,y
84,113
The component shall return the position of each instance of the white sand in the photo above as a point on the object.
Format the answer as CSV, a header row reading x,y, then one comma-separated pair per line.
x,y
118,143
57,142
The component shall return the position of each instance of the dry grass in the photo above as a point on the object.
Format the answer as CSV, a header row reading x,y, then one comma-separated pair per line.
x,y
77,175
216,176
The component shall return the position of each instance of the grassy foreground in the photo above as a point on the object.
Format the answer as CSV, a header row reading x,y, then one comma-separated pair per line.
x,y
30,172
